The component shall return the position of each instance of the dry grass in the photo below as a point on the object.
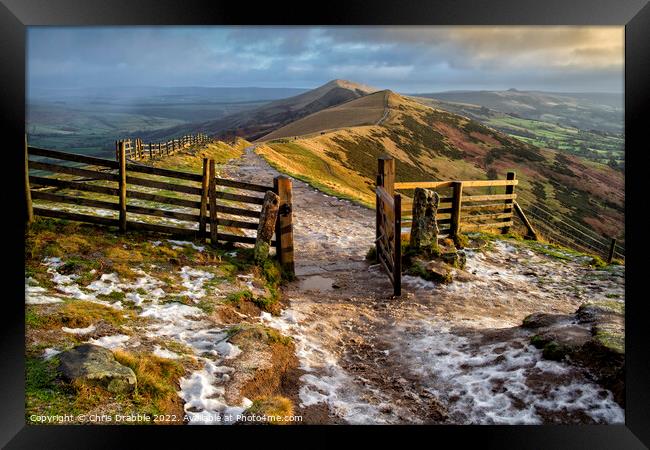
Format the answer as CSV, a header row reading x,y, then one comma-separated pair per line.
x,y
275,409
157,381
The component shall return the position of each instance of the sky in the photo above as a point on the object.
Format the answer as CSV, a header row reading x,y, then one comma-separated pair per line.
x,y
406,59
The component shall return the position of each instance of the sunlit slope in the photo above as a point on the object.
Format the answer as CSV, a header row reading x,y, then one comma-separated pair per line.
x,y
430,144
366,110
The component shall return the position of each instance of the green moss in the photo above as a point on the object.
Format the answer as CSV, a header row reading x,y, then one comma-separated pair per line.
x,y
112,296
461,240
44,393
607,305
239,296
613,341
538,341
274,336
555,351
597,261
418,270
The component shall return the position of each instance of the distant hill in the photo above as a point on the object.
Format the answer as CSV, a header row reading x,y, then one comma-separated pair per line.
x,y
267,118
152,95
431,144
587,111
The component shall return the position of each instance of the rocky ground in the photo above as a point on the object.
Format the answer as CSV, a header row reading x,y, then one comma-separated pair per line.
x,y
337,348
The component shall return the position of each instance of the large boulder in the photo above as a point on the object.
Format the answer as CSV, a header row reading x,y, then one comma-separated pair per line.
x,y
95,365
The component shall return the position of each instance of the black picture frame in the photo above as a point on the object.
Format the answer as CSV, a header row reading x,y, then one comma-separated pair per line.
x,y
16,15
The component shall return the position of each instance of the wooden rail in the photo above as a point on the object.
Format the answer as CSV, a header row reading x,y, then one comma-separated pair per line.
x,y
470,211
135,149
202,215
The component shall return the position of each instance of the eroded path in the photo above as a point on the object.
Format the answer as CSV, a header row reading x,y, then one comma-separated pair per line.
x,y
439,354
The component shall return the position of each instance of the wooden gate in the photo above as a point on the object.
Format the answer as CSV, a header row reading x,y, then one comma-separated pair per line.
x,y
470,205
389,224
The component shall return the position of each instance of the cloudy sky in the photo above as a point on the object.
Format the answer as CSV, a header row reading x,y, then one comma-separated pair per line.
x,y
405,59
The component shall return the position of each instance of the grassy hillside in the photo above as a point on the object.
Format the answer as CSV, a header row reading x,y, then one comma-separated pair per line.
x,y
601,146
431,144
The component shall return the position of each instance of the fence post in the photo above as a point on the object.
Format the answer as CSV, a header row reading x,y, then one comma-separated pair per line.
x,y
204,199
456,204
122,186
612,248
284,224
28,194
117,151
386,171
397,264
213,203
509,203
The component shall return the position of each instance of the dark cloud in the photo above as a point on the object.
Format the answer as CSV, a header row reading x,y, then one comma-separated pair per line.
x,y
406,59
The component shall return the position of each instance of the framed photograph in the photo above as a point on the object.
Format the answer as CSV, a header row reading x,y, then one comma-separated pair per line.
x,y
423,215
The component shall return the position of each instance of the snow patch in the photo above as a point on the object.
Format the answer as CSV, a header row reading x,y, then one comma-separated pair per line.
x,y
88,329
110,342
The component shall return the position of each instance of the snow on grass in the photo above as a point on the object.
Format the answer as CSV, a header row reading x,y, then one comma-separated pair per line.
x,y
88,329
193,281
110,342
35,294
180,244
504,382
164,353
50,352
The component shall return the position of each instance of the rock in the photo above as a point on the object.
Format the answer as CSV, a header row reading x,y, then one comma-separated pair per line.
x,y
438,271
424,228
266,226
540,320
455,259
592,338
95,365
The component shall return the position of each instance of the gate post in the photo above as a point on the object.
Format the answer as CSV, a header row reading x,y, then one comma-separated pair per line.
x,y
284,224
204,200
213,204
457,200
385,179
509,203
386,171
122,185
28,192
397,264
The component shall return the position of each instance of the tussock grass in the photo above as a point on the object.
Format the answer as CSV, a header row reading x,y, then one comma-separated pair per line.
x,y
274,408
157,381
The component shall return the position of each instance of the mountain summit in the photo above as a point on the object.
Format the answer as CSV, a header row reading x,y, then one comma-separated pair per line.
x,y
271,116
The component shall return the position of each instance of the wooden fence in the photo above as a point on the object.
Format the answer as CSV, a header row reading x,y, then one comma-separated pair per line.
x,y
207,210
136,150
464,205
